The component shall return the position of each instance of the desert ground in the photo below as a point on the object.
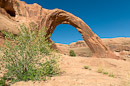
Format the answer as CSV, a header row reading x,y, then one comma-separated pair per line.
x,y
99,71
74,73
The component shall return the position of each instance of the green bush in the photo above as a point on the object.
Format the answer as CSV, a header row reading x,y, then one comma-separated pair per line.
x,y
105,73
72,53
86,67
2,82
28,56
111,75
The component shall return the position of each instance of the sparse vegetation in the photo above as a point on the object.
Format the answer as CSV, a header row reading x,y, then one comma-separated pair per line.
x,y
100,70
105,73
28,56
90,69
86,67
111,75
72,53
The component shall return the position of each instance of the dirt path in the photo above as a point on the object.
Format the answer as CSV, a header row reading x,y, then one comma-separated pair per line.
x,y
75,75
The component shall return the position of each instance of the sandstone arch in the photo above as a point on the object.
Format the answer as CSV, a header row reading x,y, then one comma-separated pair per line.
x,y
25,13
57,16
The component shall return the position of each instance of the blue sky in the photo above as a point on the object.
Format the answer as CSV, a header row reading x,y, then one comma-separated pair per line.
x,y
106,18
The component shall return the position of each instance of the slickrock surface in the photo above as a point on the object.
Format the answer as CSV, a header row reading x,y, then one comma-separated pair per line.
x,y
74,73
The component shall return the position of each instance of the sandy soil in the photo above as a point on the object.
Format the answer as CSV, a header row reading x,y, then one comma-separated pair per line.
x,y
74,74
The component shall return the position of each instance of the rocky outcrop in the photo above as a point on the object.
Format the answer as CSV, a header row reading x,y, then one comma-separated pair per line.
x,y
78,44
120,46
15,12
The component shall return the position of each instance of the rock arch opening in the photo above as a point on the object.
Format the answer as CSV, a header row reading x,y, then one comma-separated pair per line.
x,y
66,38
65,34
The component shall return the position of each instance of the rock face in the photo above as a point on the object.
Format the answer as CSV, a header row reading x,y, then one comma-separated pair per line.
x,y
15,12
78,44
120,46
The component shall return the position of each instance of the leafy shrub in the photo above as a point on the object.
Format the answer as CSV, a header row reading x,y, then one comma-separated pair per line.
x,y
105,73
2,82
86,67
72,53
111,75
28,56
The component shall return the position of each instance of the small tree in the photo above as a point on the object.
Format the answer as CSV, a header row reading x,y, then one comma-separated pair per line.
x,y
72,53
28,56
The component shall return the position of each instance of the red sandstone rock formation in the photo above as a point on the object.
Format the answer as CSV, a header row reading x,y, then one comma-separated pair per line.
x,y
15,12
